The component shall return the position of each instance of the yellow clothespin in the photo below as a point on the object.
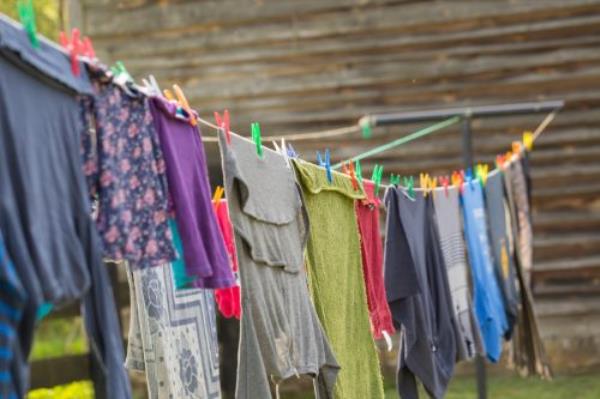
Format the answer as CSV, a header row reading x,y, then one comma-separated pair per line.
x,y
183,102
528,140
424,182
432,183
219,191
482,172
169,95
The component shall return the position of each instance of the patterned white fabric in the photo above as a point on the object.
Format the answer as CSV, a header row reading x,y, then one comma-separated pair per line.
x,y
172,336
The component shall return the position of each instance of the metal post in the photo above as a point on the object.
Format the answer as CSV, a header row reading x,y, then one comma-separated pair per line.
x,y
467,151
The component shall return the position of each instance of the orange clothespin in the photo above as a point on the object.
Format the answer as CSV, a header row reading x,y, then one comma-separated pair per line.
x,y
219,191
223,123
457,179
500,161
444,181
528,140
183,102
516,147
482,172
353,176
424,183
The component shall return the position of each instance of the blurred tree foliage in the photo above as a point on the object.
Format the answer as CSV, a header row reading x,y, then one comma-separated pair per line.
x,y
47,14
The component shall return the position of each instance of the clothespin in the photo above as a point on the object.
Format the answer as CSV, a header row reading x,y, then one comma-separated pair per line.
x,y
291,152
482,173
152,85
27,17
366,128
458,179
394,179
219,191
432,183
256,138
183,102
169,95
409,185
500,161
358,171
376,177
328,165
88,50
424,182
516,147
223,123
350,169
444,181
528,140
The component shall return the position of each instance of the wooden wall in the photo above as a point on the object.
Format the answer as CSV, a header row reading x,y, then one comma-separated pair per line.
x,y
299,66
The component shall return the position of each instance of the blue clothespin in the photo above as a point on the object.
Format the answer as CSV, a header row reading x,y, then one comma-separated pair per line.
x,y
469,177
328,165
291,152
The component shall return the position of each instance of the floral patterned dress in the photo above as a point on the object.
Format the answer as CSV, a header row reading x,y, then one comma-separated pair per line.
x,y
125,171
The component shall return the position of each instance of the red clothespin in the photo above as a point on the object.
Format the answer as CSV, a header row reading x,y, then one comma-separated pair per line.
x,y
88,48
223,123
444,181
73,46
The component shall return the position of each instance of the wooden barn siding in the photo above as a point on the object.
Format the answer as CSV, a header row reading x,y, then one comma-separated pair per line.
x,y
307,65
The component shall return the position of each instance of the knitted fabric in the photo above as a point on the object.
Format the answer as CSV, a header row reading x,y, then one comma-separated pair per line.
x,y
336,280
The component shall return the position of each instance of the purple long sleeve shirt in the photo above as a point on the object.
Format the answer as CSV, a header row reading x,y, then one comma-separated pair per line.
x,y
204,252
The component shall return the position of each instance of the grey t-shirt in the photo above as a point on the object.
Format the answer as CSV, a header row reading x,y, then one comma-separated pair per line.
x,y
447,212
418,293
281,335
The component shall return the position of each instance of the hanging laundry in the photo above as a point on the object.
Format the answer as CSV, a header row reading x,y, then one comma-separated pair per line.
x,y
367,213
517,187
499,240
419,294
12,302
44,206
228,299
336,279
280,333
182,279
448,219
528,354
203,248
125,170
172,336
489,308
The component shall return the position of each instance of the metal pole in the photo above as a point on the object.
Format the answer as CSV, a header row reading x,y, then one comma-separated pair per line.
x,y
467,150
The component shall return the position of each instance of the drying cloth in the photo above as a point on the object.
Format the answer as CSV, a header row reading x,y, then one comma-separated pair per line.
x,y
528,354
44,205
336,279
203,248
448,218
125,170
280,333
499,240
487,298
182,279
172,336
228,299
367,212
12,303
419,295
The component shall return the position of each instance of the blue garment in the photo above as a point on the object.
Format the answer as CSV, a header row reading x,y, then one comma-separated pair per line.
x,y
489,308
12,302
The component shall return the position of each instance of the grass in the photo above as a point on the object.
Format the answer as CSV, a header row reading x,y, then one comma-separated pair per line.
x,y
59,337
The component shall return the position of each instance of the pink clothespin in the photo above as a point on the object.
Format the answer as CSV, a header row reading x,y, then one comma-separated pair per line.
x,y
444,181
223,123
74,47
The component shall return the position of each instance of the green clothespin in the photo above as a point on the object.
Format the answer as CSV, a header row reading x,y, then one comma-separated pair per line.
x,y
255,127
27,17
365,125
376,177
409,185
119,70
394,179
358,171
